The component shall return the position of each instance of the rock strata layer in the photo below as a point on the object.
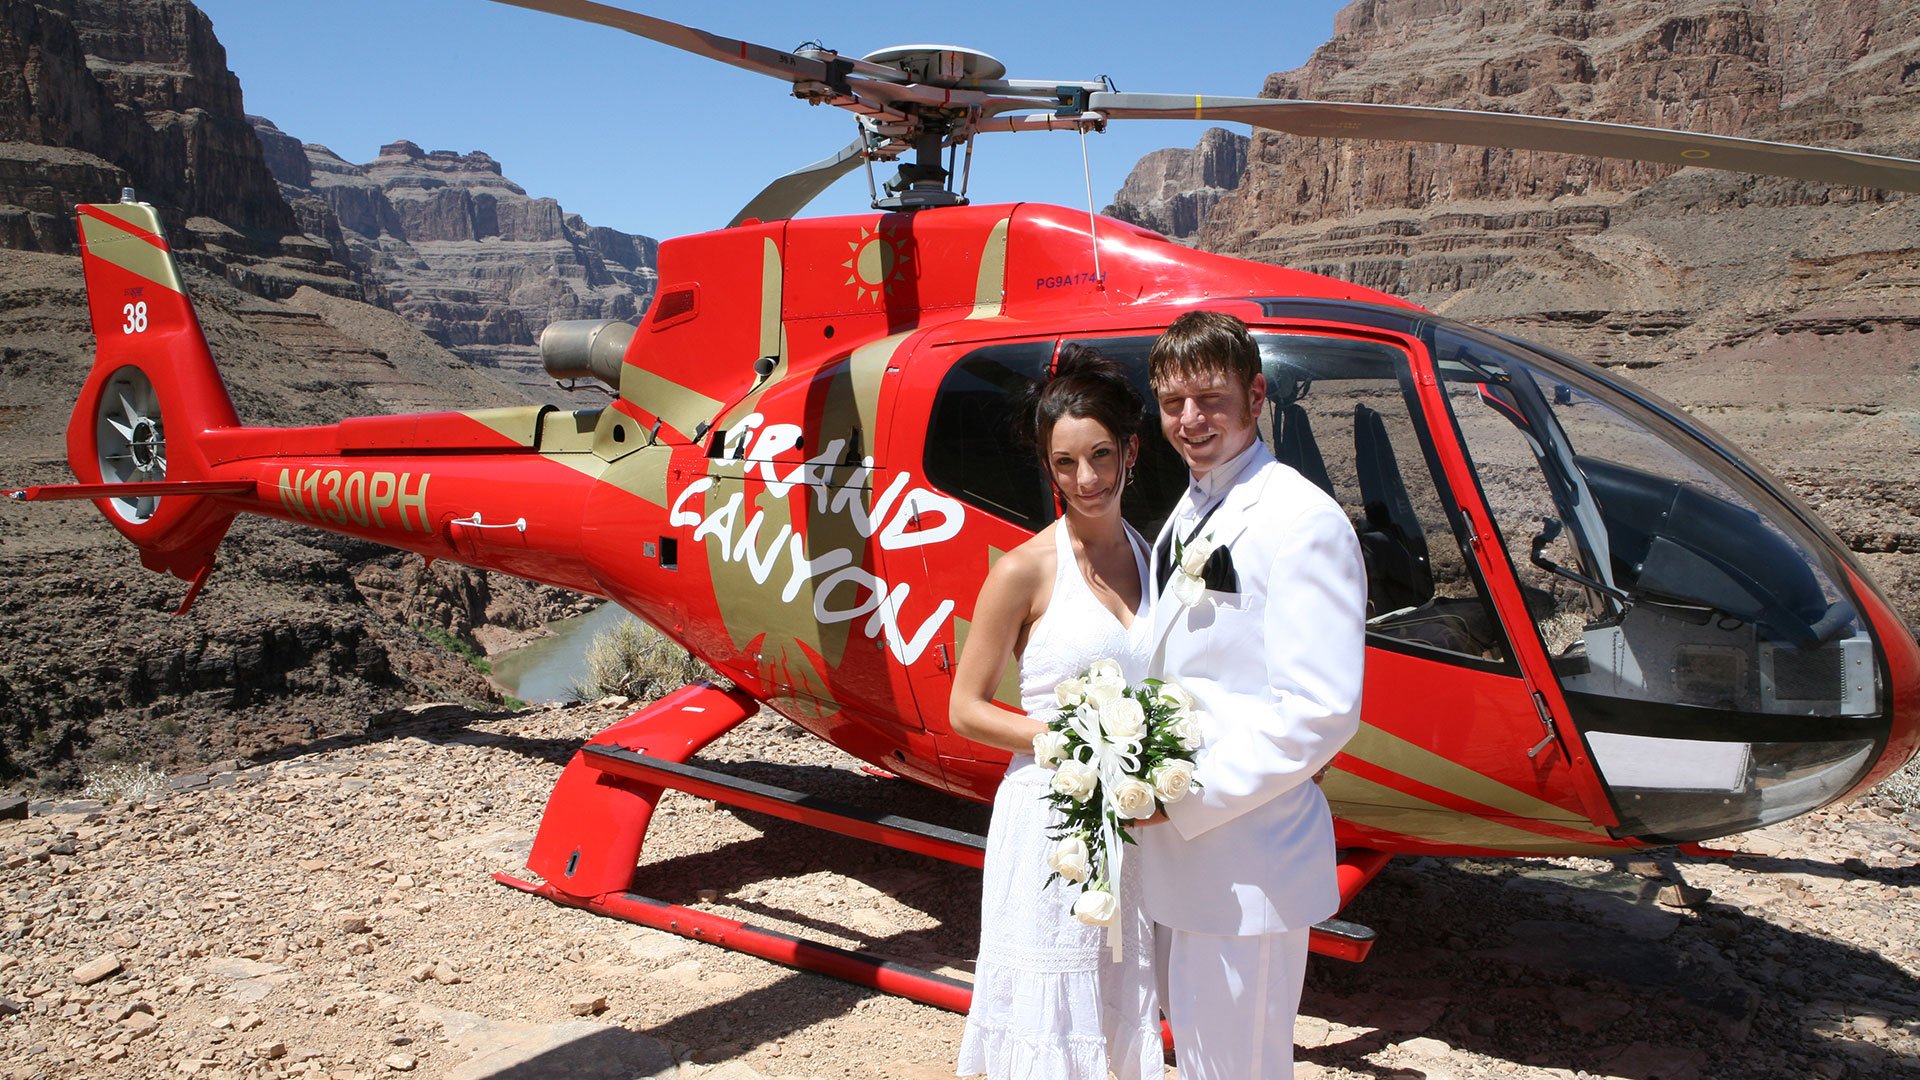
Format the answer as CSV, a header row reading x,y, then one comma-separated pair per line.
x,y
97,95
465,254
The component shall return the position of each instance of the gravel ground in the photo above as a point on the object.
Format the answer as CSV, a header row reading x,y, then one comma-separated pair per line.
x,y
328,912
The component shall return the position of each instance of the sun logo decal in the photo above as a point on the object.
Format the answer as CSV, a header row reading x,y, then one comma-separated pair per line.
x,y
875,261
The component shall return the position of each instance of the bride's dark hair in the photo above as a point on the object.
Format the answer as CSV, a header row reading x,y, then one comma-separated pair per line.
x,y
1085,384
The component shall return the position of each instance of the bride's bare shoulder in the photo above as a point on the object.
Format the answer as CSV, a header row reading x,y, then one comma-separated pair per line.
x,y
1029,567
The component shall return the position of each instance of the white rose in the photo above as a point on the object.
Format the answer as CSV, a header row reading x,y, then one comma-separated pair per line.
x,y
1070,860
1070,691
1106,673
1096,907
1173,779
1076,780
1132,798
1174,694
1188,728
1123,719
1193,557
1101,695
1188,589
1049,747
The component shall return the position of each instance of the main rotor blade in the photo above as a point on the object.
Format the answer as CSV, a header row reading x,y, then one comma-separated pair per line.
x,y
782,65
1353,120
789,194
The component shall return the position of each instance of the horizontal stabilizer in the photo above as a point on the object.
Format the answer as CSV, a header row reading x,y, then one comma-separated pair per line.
x,y
138,489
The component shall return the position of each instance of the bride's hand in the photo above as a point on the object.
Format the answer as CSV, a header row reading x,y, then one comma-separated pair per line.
x,y
1158,817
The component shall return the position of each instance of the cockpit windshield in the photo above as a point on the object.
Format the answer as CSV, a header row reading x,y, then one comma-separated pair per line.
x,y
1696,622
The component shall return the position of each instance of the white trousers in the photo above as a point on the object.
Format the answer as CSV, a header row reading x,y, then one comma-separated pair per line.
x,y
1231,1001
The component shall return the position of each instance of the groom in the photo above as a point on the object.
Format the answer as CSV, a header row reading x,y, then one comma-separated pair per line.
x,y
1261,616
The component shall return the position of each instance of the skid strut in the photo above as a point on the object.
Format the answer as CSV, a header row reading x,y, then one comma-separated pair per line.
x,y
596,820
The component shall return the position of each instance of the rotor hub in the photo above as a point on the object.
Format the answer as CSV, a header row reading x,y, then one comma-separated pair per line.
x,y
940,65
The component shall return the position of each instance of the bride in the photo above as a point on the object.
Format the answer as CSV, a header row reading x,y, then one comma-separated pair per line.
x,y
1049,1003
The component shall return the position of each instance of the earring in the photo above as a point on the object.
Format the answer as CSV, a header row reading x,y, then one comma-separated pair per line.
x,y
1129,481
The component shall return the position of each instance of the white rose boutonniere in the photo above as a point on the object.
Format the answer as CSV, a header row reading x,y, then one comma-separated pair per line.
x,y
1190,565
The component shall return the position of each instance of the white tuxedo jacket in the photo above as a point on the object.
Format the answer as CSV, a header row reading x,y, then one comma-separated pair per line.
x,y
1276,665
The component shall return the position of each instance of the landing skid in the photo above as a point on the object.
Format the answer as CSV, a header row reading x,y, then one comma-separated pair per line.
x,y
596,820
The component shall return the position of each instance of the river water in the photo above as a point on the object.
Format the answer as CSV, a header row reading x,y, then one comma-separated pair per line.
x,y
548,668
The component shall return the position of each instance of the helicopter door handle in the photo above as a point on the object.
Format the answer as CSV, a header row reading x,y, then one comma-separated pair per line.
x,y
474,522
1546,721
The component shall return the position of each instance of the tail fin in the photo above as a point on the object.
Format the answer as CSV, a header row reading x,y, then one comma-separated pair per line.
x,y
152,393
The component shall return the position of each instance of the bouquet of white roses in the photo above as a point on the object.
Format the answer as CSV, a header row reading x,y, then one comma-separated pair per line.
x,y
1118,754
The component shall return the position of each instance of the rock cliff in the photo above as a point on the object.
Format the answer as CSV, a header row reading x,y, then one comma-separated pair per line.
x,y
1784,313
96,95
297,634
1173,191
462,252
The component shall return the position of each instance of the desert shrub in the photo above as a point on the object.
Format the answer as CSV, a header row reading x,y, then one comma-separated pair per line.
x,y
129,783
633,660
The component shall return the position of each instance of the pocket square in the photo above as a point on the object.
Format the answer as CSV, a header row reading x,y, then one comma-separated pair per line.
x,y
1219,574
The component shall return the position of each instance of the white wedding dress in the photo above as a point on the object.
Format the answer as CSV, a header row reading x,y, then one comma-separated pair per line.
x,y
1048,1001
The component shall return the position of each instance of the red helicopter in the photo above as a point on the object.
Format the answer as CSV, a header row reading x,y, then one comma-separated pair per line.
x,y
1593,625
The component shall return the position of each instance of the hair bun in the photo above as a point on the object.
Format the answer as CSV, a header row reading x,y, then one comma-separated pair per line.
x,y
1084,361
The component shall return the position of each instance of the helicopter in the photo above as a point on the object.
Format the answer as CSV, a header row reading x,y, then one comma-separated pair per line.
x,y
1593,625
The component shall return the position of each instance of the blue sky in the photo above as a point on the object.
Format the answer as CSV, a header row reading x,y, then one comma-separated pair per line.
x,y
640,137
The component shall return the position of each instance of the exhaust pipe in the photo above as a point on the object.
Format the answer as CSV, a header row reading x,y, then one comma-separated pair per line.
x,y
586,348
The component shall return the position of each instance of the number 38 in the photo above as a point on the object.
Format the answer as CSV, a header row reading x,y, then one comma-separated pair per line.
x,y
136,315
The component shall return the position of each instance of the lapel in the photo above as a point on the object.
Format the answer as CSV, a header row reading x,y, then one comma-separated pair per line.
x,y
1225,526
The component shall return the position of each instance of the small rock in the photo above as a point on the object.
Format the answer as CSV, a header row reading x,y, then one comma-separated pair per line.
x,y
444,974
223,1023
1645,868
100,967
270,1051
587,1005
1682,896
139,1023
1426,1047
352,924
9,1007
708,896
421,972
399,1062
247,1022
13,808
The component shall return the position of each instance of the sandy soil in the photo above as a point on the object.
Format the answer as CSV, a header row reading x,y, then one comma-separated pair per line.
x,y
328,912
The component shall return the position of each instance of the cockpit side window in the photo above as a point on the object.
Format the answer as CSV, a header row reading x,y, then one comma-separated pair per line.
x,y
1339,413
972,450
